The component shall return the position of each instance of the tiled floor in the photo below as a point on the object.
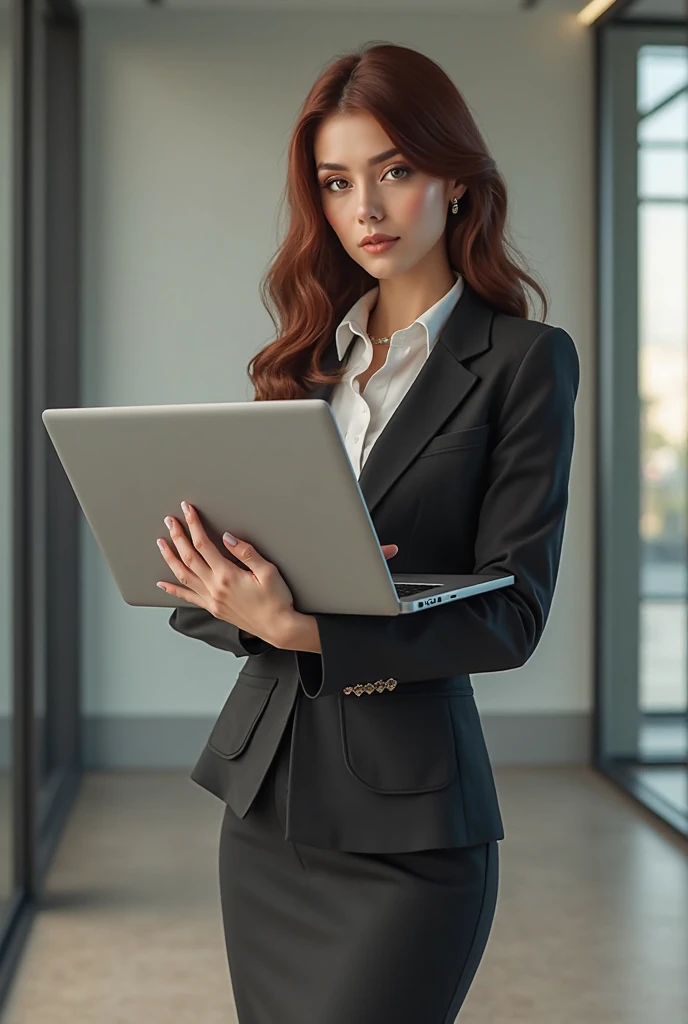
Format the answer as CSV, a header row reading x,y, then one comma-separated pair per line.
x,y
591,924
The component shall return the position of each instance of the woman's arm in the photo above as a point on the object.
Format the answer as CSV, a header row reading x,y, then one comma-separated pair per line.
x,y
520,531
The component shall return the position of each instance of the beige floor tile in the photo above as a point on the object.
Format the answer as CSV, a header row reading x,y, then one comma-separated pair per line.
x,y
591,924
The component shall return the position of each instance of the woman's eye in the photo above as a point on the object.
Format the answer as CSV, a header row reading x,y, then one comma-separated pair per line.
x,y
400,167
332,182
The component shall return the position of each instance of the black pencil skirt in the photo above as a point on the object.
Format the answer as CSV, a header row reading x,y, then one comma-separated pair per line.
x,y
318,936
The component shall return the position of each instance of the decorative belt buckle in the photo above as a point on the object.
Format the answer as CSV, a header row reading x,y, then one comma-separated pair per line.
x,y
377,687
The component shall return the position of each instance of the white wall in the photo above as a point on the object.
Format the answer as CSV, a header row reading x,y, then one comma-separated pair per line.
x,y
187,117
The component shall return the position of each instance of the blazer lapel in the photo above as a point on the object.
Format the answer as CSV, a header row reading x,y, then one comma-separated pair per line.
x,y
441,386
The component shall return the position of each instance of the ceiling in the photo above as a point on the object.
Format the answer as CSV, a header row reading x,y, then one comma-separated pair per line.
x,y
450,6
658,9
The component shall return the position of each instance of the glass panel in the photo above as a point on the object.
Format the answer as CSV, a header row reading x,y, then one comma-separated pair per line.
x,y
668,124
663,173
662,71
663,386
663,259
6,631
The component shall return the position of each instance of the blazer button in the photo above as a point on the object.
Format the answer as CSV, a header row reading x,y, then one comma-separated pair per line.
x,y
379,686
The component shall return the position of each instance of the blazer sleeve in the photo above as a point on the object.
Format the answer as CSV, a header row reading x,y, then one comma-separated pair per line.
x,y
520,531
201,625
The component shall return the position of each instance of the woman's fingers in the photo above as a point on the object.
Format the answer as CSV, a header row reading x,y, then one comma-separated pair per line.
x,y
252,559
193,560
192,596
181,558
207,557
389,550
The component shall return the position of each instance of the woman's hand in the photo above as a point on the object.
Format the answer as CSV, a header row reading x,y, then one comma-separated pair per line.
x,y
258,601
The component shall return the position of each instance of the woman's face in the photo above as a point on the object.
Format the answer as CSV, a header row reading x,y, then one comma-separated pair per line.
x,y
388,197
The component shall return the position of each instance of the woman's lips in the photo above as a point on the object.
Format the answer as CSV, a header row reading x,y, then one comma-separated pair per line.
x,y
379,246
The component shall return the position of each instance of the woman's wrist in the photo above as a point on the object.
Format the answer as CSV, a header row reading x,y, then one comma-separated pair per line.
x,y
299,632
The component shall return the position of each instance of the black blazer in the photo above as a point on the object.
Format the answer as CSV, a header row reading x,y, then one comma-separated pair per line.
x,y
470,474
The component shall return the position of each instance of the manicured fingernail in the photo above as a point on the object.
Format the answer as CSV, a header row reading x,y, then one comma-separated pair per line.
x,y
160,585
185,508
230,540
160,545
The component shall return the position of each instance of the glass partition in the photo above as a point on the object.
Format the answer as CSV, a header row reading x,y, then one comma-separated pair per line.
x,y
663,380
643,366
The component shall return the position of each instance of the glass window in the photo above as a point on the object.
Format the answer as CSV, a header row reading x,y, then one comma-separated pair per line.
x,y
662,102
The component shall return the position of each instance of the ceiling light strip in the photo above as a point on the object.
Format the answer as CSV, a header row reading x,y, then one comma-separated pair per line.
x,y
594,10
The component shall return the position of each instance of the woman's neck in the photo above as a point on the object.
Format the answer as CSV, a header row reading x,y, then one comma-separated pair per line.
x,y
402,299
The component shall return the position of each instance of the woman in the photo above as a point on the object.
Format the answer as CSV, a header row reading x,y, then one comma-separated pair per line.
x,y
358,852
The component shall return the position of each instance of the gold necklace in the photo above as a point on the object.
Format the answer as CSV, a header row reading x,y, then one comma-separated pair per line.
x,y
379,341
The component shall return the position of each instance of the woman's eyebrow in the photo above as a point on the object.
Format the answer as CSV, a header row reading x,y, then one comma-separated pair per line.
x,y
322,166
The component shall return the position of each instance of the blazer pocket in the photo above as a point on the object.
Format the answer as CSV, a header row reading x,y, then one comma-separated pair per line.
x,y
398,743
240,714
471,437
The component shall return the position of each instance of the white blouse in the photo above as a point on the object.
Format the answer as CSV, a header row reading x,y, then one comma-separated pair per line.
x,y
361,417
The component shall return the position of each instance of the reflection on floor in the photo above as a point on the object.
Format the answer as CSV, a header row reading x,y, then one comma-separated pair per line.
x,y
669,783
591,924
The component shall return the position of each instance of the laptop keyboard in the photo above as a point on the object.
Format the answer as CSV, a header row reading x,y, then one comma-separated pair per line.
x,y
408,589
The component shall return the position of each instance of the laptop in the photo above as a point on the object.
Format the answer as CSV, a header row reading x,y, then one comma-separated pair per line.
x,y
274,473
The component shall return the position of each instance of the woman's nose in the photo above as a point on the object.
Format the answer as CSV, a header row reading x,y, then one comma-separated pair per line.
x,y
369,207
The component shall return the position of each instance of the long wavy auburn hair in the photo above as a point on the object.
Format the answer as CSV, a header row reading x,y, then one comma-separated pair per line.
x,y
312,281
